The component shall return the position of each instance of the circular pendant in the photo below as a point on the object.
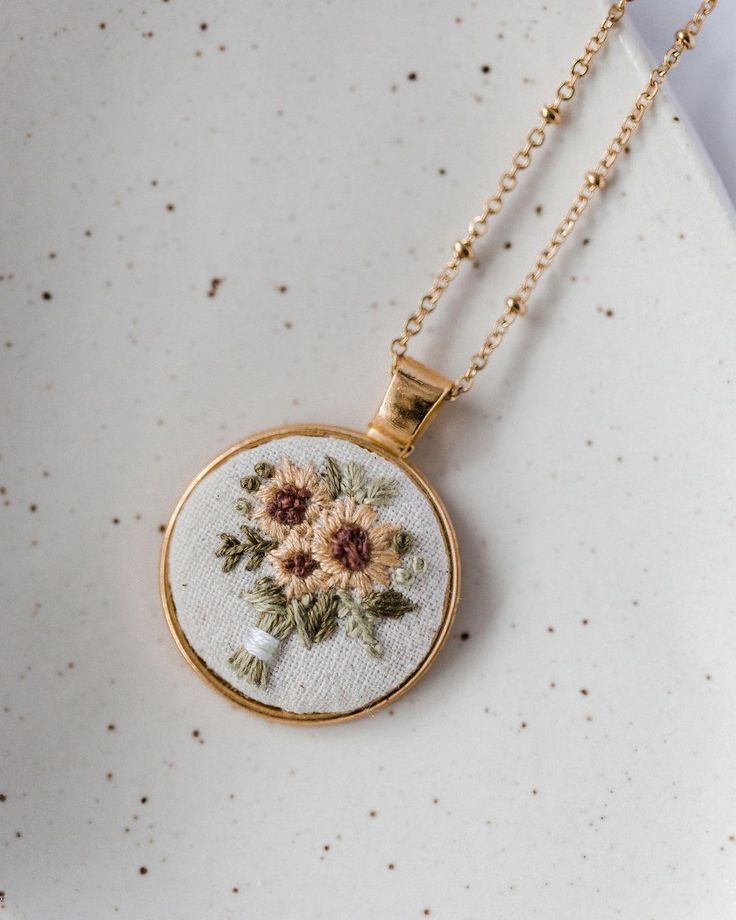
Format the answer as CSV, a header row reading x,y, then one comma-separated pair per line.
x,y
310,575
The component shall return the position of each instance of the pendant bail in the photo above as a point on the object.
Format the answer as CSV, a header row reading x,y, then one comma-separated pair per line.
x,y
413,397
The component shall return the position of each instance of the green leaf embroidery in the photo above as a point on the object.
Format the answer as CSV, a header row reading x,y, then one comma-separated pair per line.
x,y
378,492
332,477
252,545
389,603
359,623
266,596
353,480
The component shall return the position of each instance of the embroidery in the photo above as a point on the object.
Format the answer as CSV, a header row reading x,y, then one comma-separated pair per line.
x,y
332,561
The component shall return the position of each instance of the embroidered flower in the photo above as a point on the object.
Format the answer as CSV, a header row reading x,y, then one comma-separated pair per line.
x,y
353,549
291,497
294,566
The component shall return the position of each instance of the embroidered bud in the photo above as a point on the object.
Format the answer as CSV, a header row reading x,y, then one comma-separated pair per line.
x,y
403,542
403,577
243,506
418,564
250,483
264,470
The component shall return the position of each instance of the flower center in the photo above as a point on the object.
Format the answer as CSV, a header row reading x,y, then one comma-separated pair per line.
x,y
351,547
289,505
300,564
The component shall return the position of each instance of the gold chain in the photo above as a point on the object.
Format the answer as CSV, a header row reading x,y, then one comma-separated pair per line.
x,y
516,305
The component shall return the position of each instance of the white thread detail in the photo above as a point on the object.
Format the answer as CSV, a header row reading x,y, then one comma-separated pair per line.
x,y
260,644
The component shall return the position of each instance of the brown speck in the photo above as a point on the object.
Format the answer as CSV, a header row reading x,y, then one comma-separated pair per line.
x,y
584,692
391,866
8,344
411,76
538,209
282,288
203,26
111,727
326,847
550,629
170,207
586,241
609,312
585,622
3,797
144,800
33,508
288,324
214,285
486,68
235,890
534,792
108,776
507,244
46,295
222,47
154,183
162,528
524,725
143,870
372,813
88,233
464,636
103,25
116,520
675,118
442,171
195,733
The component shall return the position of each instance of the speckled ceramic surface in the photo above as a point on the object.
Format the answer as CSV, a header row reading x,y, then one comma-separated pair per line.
x,y
216,217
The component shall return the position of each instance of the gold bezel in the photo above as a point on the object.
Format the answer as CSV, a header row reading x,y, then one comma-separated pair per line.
x,y
452,593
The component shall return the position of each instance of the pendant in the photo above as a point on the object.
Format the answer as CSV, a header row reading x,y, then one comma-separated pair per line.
x,y
309,573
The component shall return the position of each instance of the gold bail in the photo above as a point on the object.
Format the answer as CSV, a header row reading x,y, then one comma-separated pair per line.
x,y
413,397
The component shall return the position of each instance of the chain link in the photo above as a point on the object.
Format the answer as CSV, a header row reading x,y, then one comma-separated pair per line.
x,y
549,115
594,180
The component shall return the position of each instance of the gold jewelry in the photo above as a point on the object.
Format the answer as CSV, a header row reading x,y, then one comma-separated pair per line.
x,y
311,574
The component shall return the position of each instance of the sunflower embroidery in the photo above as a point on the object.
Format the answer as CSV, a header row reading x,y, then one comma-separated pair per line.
x,y
330,558
295,567
353,548
291,497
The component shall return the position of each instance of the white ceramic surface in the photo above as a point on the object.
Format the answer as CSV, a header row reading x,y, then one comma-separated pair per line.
x,y
571,753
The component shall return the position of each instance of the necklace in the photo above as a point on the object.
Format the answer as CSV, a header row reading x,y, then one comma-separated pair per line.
x,y
311,574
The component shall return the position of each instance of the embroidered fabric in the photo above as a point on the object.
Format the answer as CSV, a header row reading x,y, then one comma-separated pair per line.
x,y
334,676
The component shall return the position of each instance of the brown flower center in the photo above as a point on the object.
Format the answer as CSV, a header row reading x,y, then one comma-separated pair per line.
x,y
300,564
289,505
351,547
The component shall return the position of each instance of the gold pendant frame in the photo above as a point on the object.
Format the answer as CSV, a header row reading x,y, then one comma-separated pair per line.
x,y
452,593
